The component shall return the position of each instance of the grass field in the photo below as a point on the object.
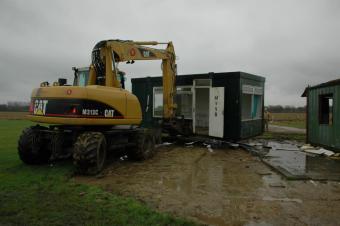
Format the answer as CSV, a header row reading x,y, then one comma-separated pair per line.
x,y
47,194
296,120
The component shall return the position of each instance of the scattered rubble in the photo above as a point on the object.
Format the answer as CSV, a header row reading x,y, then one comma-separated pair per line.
x,y
296,161
315,150
292,159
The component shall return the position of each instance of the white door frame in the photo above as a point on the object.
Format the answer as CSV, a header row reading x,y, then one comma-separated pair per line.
x,y
194,87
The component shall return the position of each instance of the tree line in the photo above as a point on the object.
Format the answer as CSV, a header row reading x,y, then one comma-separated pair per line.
x,y
285,109
15,106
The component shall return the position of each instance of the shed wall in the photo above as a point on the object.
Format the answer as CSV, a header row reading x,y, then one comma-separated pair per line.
x,y
232,114
234,127
250,128
320,134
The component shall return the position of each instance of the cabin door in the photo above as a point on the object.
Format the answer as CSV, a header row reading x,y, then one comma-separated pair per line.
x,y
216,112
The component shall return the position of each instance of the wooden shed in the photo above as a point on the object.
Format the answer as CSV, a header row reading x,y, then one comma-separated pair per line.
x,y
226,105
323,114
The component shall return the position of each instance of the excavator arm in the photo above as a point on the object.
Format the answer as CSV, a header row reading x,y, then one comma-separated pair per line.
x,y
106,54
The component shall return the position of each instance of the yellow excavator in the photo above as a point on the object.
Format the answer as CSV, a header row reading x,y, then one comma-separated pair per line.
x,y
96,114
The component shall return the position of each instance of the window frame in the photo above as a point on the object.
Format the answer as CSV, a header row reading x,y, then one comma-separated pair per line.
x,y
179,92
198,83
156,88
159,90
253,91
330,121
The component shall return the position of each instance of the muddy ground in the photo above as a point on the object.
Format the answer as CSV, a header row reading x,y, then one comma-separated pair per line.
x,y
223,187
285,129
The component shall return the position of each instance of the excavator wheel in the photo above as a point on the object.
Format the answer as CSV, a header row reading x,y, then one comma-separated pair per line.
x,y
145,146
31,147
89,153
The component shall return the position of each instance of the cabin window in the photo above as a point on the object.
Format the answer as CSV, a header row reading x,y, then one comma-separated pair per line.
x,y
157,102
257,107
183,100
81,79
326,109
252,103
202,82
246,106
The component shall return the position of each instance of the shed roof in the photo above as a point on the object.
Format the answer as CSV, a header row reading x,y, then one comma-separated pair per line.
x,y
188,77
325,84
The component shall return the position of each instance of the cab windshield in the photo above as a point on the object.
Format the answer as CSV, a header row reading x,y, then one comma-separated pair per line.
x,y
81,78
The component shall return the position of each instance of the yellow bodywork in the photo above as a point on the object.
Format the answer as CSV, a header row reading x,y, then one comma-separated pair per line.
x,y
123,101
110,53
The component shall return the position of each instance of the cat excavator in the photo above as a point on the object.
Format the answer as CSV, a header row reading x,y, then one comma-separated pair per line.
x,y
96,114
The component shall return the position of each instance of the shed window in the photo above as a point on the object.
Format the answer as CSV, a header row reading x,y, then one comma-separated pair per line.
x,y
326,109
246,106
202,82
157,102
183,100
257,107
252,103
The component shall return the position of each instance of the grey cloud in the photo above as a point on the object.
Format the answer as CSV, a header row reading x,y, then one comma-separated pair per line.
x,y
291,43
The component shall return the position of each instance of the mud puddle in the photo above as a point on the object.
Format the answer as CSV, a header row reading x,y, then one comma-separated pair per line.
x,y
222,187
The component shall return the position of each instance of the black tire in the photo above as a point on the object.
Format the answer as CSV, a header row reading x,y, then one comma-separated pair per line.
x,y
31,147
145,146
89,153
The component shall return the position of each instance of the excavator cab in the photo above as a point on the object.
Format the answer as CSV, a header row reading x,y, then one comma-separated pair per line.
x,y
81,77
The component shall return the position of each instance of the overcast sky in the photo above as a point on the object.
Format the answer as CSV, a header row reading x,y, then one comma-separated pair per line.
x,y
291,43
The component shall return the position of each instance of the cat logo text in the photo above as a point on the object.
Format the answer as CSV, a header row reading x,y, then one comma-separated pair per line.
x,y
40,107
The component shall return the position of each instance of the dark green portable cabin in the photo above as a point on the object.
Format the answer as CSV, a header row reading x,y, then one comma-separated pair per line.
x,y
226,105
323,115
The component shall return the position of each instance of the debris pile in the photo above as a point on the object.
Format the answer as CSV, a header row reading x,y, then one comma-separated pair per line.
x,y
296,161
320,151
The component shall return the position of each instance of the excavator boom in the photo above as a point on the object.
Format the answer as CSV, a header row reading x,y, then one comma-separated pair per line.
x,y
106,54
